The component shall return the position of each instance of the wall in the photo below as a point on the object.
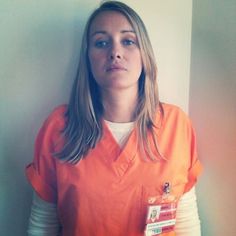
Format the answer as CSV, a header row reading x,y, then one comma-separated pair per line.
x,y
213,111
39,53
169,24
38,59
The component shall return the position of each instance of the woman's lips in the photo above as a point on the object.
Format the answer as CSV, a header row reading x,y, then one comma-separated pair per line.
x,y
115,68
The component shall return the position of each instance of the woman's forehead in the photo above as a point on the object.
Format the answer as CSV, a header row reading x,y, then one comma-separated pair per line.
x,y
110,20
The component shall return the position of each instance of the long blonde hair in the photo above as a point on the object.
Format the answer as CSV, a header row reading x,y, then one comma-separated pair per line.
x,y
85,110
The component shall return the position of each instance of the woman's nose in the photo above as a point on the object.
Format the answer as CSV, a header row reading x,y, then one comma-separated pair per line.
x,y
115,52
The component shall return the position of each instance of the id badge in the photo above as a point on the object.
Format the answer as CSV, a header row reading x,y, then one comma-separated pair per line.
x,y
161,213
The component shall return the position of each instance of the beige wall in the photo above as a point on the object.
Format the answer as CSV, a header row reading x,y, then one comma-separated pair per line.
x,y
213,111
39,52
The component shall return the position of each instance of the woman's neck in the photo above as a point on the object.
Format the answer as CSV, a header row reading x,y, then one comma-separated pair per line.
x,y
119,106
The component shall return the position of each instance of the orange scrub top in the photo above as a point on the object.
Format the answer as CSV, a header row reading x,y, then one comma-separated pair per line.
x,y
107,192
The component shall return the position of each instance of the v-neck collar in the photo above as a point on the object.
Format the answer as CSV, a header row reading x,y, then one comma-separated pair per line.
x,y
119,158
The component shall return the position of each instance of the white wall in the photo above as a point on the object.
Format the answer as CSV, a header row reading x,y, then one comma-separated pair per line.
x,y
39,52
213,111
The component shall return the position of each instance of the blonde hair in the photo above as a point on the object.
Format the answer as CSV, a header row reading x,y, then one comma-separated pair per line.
x,y
85,110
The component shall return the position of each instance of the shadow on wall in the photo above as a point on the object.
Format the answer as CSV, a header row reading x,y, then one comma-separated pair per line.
x,y
213,111
39,61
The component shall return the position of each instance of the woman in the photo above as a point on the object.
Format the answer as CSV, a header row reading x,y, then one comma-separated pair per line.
x,y
102,162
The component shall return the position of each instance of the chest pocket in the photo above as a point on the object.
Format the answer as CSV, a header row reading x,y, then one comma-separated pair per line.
x,y
176,190
163,201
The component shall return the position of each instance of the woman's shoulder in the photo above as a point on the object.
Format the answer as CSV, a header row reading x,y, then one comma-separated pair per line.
x,y
58,112
174,113
171,109
56,118
50,136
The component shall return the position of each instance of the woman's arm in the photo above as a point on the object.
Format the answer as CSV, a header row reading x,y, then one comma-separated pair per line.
x,y
187,218
43,219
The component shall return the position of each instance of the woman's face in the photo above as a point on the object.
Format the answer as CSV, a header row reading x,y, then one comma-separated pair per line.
x,y
114,52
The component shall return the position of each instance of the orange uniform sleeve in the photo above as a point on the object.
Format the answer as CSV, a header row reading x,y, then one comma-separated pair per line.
x,y
195,168
42,172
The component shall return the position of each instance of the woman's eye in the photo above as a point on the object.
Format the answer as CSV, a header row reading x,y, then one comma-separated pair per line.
x,y
128,42
101,44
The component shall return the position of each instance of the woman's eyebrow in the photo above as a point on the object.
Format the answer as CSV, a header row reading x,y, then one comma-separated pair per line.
x,y
105,32
98,32
127,31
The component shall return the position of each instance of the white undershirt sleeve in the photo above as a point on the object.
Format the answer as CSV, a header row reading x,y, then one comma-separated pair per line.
x,y
43,219
187,218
